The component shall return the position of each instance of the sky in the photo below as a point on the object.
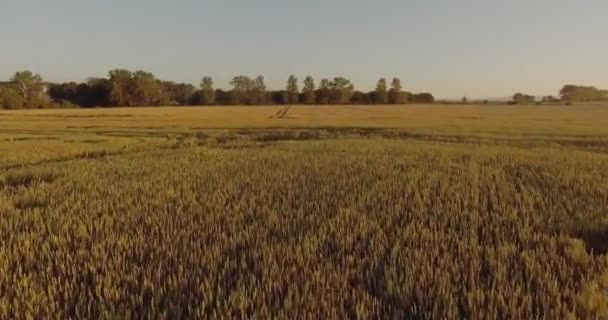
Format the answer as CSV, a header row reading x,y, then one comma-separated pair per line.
x,y
451,48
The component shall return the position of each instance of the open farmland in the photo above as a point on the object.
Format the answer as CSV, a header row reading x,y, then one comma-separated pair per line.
x,y
305,212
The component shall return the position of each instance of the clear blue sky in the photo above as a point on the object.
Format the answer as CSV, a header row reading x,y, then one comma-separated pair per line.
x,y
452,48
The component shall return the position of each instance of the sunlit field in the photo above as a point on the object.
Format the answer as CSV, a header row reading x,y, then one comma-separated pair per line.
x,y
320,212
32,135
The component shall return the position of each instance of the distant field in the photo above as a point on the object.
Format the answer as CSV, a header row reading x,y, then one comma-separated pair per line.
x,y
487,120
321,212
32,135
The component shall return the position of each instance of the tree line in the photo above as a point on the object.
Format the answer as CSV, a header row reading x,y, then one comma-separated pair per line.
x,y
140,88
568,94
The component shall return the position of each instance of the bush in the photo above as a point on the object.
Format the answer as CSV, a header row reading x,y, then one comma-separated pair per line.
x,y
10,98
64,104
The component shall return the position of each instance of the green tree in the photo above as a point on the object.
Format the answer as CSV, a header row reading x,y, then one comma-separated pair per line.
x,y
324,92
520,98
549,99
381,93
176,93
10,98
30,87
207,91
396,85
292,90
241,87
97,92
570,93
309,90
258,91
359,97
146,89
396,94
424,97
341,90
122,87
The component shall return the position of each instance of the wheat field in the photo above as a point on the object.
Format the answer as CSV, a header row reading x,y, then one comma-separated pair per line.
x,y
360,212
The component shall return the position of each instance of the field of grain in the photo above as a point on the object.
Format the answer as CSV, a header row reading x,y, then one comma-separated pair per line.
x,y
305,212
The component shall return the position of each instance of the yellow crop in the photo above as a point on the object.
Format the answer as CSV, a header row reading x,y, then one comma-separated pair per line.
x,y
327,212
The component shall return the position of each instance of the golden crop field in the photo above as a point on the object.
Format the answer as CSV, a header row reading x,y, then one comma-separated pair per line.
x,y
433,211
34,135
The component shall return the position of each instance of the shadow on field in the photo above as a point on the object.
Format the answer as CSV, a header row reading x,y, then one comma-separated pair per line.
x,y
77,116
31,203
89,141
25,179
31,139
589,143
594,237
98,154
597,144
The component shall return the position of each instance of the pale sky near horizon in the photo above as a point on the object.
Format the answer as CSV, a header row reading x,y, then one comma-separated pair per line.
x,y
452,48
